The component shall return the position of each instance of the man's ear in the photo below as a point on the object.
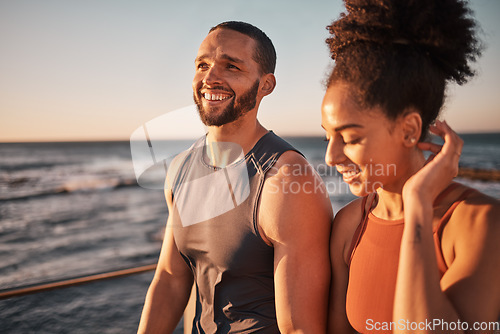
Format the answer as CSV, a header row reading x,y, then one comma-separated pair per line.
x,y
411,126
267,84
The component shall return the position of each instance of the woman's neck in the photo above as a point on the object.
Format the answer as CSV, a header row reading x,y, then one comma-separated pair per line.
x,y
390,200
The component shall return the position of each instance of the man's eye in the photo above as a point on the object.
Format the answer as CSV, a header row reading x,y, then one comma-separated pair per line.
x,y
202,66
232,66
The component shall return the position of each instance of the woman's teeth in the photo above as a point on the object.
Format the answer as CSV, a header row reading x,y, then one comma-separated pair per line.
x,y
350,173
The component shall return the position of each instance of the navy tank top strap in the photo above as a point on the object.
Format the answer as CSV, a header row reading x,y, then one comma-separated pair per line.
x,y
266,152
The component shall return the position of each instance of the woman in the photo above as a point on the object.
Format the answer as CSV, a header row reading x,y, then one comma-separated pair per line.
x,y
418,252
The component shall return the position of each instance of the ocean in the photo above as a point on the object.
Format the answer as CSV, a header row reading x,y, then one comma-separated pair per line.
x,y
74,209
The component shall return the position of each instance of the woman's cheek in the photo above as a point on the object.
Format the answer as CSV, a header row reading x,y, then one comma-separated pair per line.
x,y
357,155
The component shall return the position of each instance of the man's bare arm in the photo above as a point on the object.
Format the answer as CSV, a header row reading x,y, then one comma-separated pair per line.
x,y
169,291
295,215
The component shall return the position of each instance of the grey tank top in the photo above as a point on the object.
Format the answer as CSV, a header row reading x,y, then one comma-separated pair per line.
x,y
216,232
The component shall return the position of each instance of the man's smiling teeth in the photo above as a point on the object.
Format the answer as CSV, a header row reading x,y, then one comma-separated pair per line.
x,y
215,97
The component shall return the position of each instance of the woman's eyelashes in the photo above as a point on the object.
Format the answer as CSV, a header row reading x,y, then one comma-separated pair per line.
x,y
346,142
353,141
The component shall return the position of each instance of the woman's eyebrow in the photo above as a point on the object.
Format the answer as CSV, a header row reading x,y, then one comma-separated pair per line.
x,y
347,126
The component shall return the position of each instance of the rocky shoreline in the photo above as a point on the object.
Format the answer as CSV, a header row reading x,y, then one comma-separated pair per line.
x,y
479,174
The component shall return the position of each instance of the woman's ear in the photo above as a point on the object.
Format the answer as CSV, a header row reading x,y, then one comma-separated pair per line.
x,y
267,84
411,126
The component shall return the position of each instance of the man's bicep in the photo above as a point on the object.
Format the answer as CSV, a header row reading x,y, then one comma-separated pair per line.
x,y
169,291
170,261
299,226
302,277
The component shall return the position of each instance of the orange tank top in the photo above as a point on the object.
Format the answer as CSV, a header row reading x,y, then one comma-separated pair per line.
x,y
374,262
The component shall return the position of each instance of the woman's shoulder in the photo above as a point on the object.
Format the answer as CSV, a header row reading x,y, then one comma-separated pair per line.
x,y
476,213
476,204
345,223
470,249
351,211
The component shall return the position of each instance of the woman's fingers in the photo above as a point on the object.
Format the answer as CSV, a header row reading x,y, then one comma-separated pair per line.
x,y
452,142
436,129
426,146
452,148
447,154
450,152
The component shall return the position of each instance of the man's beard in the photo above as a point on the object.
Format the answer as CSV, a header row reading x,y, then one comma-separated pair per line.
x,y
237,108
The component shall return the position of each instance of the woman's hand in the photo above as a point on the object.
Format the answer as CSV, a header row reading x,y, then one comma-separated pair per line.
x,y
440,168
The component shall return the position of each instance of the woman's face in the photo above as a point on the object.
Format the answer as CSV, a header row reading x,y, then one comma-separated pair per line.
x,y
363,144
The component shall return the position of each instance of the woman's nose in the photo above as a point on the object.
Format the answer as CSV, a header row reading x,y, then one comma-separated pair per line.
x,y
334,152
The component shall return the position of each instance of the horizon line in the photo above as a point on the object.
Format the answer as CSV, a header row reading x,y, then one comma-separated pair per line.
x,y
116,140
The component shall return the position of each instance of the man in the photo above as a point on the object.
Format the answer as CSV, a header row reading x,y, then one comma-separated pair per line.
x,y
261,262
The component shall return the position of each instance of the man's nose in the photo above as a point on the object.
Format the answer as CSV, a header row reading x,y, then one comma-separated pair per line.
x,y
212,76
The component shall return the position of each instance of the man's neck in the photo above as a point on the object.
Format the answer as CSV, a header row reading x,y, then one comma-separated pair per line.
x,y
245,133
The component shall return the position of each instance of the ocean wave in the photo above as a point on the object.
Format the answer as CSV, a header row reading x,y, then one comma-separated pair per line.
x,y
32,166
70,186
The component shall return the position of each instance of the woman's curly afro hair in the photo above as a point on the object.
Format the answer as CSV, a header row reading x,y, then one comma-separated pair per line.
x,y
397,54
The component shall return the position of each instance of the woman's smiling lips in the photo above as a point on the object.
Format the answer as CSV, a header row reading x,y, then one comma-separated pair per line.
x,y
349,175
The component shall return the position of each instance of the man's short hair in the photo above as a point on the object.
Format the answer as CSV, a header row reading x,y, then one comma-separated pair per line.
x,y
265,54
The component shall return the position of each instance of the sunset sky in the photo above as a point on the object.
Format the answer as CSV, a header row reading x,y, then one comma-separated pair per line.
x,y
98,70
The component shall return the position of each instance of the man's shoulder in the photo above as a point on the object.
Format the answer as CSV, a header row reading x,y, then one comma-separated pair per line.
x,y
291,158
292,174
293,198
271,143
177,161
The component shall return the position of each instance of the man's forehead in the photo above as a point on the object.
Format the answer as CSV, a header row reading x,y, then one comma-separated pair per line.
x,y
222,34
227,44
